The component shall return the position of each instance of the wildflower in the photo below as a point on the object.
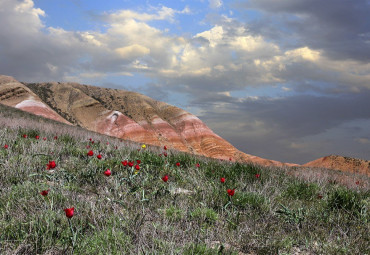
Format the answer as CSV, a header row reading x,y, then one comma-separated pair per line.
x,y
143,146
222,179
51,165
230,159
55,137
90,153
6,146
257,175
165,147
197,165
165,178
231,192
44,138
24,136
92,142
165,154
90,139
130,164
178,164
44,192
37,137
107,172
137,167
99,156
124,163
138,161
69,212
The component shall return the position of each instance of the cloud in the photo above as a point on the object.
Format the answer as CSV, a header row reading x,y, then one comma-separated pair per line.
x,y
215,3
338,27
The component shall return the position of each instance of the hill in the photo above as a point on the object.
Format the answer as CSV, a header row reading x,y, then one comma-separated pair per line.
x,y
132,116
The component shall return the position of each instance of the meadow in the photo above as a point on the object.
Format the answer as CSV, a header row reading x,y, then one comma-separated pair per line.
x,y
203,206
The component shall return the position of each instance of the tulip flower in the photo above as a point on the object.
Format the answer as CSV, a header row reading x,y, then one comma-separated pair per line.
x,y
231,192
44,138
37,137
90,153
99,156
6,146
197,165
44,192
138,161
165,154
319,196
357,182
222,180
55,137
69,212
143,146
130,164
165,147
137,167
124,163
107,172
25,136
178,164
51,165
257,175
165,178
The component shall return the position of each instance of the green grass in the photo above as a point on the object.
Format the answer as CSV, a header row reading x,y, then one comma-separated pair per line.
x,y
138,213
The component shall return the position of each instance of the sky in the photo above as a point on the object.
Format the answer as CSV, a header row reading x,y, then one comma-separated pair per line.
x,y
287,80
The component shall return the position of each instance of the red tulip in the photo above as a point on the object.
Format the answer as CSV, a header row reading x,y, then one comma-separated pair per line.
x,y
231,192
358,182
222,179
178,164
257,175
165,154
44,138
137,167
24,136
90,139
197,165
55,137
130,164
6,146
319,196
107,172
230,159
99,156
116,147
107,143
69,212
87,147
90,153
44,192
51,165
165,178
92,142
138,161
165,147
124,163
37,137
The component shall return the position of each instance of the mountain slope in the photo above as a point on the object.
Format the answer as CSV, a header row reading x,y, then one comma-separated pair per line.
x,y
133,116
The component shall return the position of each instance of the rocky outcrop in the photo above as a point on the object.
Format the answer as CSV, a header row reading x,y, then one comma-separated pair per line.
x,y
345,164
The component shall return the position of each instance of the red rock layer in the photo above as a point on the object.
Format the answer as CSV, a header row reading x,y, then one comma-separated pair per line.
x,y
345,164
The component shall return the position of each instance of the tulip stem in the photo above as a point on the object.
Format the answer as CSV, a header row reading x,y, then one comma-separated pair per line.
x,y
74,235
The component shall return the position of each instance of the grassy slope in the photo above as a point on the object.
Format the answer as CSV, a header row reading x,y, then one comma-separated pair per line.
x,y
128,213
